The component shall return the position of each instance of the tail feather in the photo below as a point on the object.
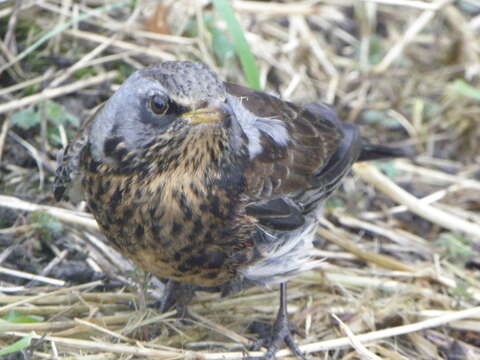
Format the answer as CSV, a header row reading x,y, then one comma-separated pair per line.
x,y
370,152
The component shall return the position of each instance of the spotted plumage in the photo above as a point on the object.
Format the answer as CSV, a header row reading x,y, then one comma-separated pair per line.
x,y
209,184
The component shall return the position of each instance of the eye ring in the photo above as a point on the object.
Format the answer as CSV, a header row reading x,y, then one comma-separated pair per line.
x,y
158,105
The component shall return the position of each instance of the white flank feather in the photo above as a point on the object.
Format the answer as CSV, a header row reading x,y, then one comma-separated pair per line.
x,y
284,258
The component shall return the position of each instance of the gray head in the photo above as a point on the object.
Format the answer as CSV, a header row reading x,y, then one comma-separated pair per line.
x,y
164,98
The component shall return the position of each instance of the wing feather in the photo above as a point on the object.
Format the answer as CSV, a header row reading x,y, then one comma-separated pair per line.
x,y
287,180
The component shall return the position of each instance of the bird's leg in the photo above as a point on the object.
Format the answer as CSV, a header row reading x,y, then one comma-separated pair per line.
x,y
178,295
281,333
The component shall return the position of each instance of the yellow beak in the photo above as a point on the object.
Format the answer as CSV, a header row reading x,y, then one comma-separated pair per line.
x,y
204,115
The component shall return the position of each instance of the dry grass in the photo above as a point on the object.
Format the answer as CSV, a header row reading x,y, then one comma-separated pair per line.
x,y
401,277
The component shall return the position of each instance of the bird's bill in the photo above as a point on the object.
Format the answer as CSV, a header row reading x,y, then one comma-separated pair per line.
x,y
205,115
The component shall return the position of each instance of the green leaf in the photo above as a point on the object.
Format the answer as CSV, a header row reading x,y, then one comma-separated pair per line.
x,y
456,246
21,344
469,6
26,119
55,113
31,90
379,117
334,202
223,48
241,46
17,317
461,290
388,167
461,87
191,29
58,115
125,71
84,73
377,50
46,225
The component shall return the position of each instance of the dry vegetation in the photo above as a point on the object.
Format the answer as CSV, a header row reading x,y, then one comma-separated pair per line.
x,y
400,239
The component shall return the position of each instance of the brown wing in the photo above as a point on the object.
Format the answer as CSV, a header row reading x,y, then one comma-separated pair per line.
x,y
287,181
314,136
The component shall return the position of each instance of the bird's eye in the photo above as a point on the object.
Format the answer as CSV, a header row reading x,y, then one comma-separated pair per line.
x,y
158,104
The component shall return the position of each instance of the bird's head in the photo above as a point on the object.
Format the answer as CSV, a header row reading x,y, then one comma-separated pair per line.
x,y
168,99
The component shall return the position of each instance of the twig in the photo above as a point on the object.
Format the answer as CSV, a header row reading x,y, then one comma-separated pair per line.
x,y
344,342
30,299
26,83
23,6
92,54
379,259
386,333
55,92
55,261
103,330
357,345
440,176
275,8
37,156
59,29
147,51
409,35
320,55
220,329
415,242
3,136
66,325
57,298
408,3
78,218
24,275
81,63
109,347
449,221
429,199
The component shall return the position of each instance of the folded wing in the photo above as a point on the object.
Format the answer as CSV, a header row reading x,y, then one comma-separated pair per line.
x,y
287,180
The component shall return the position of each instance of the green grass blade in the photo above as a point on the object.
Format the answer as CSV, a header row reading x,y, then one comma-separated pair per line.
x,y
17,346
241,45
16,317
465,89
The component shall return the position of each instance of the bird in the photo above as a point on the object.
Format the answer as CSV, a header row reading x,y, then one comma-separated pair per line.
x,y
211,185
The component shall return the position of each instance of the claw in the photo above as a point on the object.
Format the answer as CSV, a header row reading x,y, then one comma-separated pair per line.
x,y
281,332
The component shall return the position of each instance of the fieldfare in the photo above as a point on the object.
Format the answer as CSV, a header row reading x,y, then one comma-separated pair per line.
x,y
208,184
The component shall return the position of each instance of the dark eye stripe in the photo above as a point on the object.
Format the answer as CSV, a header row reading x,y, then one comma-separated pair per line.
x,y
177,109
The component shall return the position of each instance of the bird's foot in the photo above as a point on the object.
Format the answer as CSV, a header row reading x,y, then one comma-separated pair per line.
x,y
175,295
282,333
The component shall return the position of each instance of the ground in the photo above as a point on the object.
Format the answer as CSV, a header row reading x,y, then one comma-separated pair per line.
x,y
400,239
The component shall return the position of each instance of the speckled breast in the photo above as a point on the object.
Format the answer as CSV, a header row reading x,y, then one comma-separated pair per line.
x,y
172,227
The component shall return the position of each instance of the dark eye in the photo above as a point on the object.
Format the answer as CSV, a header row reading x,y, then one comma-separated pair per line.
x,y
158,104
